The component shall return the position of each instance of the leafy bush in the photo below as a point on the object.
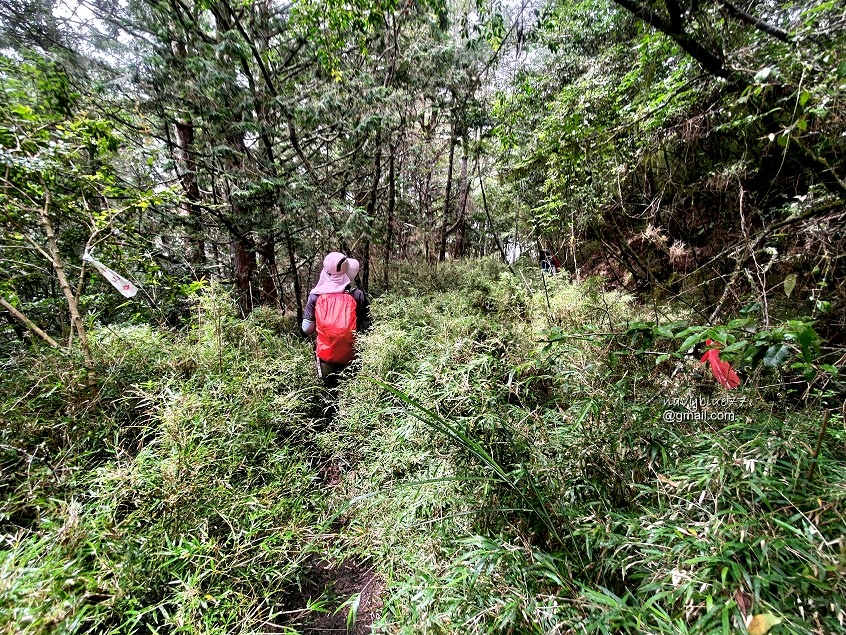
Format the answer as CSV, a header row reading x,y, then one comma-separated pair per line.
x,y
182,498
505,465
510,484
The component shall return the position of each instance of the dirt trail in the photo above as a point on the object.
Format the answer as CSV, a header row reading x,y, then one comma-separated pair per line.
x,y
333,587
327,590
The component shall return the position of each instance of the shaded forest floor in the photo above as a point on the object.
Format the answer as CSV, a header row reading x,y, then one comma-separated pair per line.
x,y
484,473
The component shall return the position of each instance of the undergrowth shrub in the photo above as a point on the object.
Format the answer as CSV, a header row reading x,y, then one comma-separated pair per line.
x,y
180,499
505,465
509,484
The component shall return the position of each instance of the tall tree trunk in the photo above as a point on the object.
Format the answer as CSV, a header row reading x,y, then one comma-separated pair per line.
x,y
245,265
389,230
195,246
240,225
447,201
183,155
463,188
292,264
371,212
268,272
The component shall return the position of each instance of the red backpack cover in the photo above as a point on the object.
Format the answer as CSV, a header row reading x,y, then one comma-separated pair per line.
x,y
334,315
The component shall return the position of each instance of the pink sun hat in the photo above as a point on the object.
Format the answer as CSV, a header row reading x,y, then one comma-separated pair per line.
x,y
333,277
352,268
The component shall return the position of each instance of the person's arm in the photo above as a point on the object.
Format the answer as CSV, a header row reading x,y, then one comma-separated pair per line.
x,y
362,311
309,324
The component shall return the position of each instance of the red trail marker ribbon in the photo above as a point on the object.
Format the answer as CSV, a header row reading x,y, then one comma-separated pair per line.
x,y
721,369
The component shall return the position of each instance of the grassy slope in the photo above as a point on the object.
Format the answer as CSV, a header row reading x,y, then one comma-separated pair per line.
x,y
188,499
183,499
608,519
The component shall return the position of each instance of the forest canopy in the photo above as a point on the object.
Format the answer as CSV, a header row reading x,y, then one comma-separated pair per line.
x,y
672,149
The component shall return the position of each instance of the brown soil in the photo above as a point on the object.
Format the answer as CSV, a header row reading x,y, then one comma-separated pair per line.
x,y
330,473
334,583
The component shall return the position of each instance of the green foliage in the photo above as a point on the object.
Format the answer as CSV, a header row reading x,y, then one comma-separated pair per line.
x,y
511,486
633,163
499,478
181,499
64,161
743,342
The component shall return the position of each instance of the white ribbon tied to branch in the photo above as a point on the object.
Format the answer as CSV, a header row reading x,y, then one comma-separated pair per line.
x,y
126,288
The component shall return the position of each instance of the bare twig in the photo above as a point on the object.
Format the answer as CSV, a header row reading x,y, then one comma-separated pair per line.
x,y
819,444
32,326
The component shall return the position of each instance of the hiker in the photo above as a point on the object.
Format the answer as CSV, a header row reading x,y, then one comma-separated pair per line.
x,y
336,311
548,262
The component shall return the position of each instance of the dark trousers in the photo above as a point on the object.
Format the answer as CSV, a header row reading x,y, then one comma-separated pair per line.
x,y
330,373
